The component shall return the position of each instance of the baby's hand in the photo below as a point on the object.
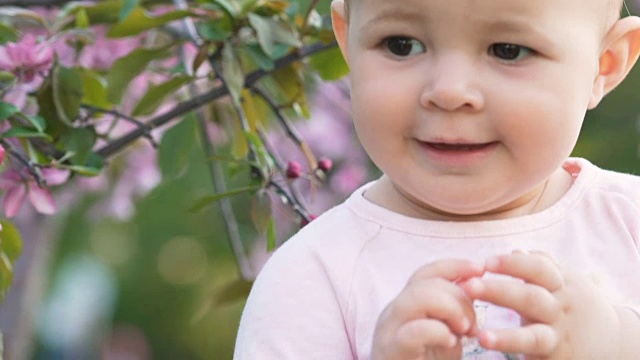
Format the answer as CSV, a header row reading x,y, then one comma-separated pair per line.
x,y
427,318
564,315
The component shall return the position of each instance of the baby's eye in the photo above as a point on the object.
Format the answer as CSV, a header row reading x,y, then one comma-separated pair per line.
x,y
509,52
403,46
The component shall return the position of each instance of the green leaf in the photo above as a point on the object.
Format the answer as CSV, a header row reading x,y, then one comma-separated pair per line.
x,y
7,110
85,170
271,235
218,30
95,89
286,83
271,33
127,8
235,291
232,72
156,95
139,20
175,147
260,211
80,142
7,34
82,19
10,240
7,78
265,162
228,6
256,56
47,109
67,93
6,275
128,67
10,250
21,132
14,12
209,200
330,64
271,7
93,165
100,12
38,122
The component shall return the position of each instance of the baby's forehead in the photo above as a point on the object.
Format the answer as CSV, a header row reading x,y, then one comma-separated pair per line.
x,y
613,7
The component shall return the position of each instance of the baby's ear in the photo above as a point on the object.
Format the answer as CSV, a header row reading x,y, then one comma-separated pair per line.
x,y
340,24
620,54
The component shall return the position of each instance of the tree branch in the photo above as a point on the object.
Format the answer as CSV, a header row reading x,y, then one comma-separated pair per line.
x,y
33,169
216,93
215,169
29,3
119,115
288,127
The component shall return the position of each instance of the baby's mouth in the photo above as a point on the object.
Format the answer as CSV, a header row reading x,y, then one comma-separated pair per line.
x,y
459,147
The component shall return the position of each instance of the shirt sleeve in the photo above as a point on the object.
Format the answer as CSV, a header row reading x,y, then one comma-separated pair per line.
x,y
293,312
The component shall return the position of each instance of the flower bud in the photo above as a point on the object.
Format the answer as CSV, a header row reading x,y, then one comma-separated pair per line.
x,y
2,154
294,170
304,221
325,164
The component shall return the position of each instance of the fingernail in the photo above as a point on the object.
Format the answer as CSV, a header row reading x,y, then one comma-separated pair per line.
x,y
452,341
491,338
475,285
465,324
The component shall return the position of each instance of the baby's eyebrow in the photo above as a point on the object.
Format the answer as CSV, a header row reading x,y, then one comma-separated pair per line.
x,y
509,26
390,14
517,28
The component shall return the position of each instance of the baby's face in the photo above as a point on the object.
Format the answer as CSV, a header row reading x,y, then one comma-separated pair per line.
x,y
468,106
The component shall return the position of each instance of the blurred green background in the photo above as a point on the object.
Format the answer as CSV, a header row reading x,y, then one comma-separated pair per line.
x,y
147,283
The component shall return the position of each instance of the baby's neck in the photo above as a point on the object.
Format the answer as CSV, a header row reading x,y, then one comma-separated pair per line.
x,y
539,199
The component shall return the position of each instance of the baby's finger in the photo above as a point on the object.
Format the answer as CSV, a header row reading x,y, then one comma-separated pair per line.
x,y
413,337
530,301
450,269
533,340
532,268
437,299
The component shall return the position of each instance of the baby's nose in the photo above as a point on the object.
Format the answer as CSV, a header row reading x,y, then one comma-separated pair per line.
x,y
452,84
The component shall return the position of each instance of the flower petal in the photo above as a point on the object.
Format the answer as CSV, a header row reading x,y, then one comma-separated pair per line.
x,y
13,200
42,200
10,179
55,176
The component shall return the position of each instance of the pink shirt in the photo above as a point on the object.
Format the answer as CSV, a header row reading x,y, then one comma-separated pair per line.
x,y
319,296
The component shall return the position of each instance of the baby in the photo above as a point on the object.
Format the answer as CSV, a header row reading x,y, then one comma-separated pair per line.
x,y
483,239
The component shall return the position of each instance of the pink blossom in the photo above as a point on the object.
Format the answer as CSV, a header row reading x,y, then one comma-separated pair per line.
x,y
105,51
19,186
26,58
18,95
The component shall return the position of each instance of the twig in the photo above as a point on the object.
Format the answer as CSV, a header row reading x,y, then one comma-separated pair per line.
x,y
216,93
119,115
307,16
28,3
217,175
33,168
281,169
288,199
288,127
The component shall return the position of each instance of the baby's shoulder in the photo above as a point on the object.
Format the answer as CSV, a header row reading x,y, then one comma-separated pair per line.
x,y
618,185
323,253
339,232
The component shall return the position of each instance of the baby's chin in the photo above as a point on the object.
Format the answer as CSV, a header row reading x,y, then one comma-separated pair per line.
x,y
470,209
